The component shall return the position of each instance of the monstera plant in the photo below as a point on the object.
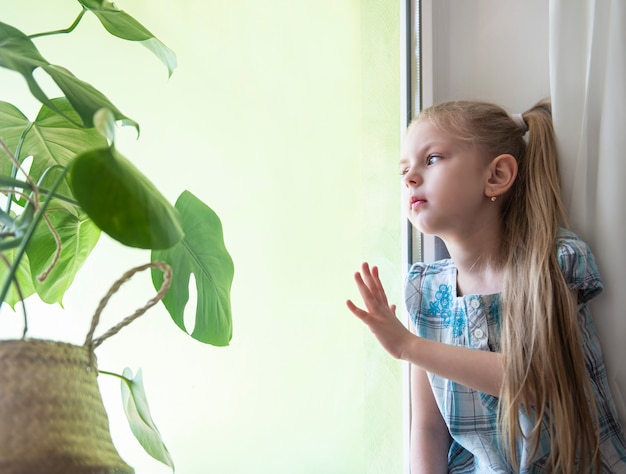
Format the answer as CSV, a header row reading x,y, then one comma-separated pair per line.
x,y
64,181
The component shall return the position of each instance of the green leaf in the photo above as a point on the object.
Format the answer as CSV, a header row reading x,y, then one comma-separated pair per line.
x,y
121,24
6,219
203,253
23,221
140,420
12,124
18,53
85,99
104,122
78,235
23,276
51,139
122,201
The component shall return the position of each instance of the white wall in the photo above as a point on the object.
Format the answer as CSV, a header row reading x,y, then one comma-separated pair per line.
x,y
494,50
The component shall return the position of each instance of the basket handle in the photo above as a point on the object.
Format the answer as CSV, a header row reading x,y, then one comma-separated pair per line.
x,y
92,343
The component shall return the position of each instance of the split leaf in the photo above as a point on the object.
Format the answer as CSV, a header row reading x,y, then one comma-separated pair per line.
x,y
203,253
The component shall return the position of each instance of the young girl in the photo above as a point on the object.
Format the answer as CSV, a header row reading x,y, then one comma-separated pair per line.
x,y
506,369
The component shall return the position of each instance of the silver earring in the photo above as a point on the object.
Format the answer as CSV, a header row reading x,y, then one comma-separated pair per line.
x,y
493,198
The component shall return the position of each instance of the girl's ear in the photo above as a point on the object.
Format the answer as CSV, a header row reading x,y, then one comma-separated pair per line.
x,y
502,172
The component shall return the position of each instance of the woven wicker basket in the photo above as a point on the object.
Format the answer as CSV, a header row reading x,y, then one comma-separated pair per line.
x,y
52,419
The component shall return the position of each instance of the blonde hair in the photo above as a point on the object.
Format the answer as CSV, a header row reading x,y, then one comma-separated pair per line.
x,y
545,375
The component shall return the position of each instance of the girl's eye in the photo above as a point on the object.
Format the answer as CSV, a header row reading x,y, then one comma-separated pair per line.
x,y
432,159
404,171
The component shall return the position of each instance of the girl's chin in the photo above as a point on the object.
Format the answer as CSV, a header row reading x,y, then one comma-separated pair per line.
x,y
418,222
425,227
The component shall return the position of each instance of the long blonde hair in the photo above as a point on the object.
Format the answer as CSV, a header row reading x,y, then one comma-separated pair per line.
x,y
545,375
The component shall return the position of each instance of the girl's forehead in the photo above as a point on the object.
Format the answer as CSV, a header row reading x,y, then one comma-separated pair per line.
x,y
424,132
423,136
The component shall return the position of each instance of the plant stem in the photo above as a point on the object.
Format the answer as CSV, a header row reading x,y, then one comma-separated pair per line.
x,y
15,158
57,239
27,236
58,32
20,295
113,374
16,183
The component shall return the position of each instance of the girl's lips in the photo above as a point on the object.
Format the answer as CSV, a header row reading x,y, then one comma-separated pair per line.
x,y
416,202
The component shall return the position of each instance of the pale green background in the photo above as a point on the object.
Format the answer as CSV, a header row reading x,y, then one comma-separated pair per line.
x,y
284,117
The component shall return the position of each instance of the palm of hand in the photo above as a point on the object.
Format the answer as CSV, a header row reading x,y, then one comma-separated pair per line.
x,y
378,314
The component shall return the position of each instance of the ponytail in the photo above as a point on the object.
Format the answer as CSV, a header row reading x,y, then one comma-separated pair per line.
x,y
544,367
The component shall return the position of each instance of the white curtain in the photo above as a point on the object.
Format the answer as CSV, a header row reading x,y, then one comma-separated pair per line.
x,y
588,89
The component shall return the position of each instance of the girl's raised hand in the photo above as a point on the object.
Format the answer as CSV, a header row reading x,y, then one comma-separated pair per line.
x,y
379,315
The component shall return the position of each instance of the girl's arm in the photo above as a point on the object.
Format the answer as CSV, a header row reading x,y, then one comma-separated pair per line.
x,y
480,370
430,439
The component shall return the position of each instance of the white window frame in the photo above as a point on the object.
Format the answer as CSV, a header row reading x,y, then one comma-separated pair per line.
x,y
416,48
411,240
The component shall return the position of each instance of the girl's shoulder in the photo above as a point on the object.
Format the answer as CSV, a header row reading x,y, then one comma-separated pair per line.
x,y
441,269
430,284
578,265
425,280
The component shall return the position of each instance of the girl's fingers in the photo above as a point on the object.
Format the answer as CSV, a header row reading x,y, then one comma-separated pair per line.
x,y
358,312
373,295
379,285
362,286
370,278
366,274
370,292
352,307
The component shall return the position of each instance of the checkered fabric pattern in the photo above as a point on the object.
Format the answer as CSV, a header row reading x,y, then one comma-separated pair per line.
x,y
473,321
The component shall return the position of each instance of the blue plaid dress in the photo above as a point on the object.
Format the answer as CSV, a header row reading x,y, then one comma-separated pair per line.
x,y
474,321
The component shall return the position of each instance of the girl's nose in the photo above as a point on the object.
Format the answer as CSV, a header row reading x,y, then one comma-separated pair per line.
x,y
411,178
